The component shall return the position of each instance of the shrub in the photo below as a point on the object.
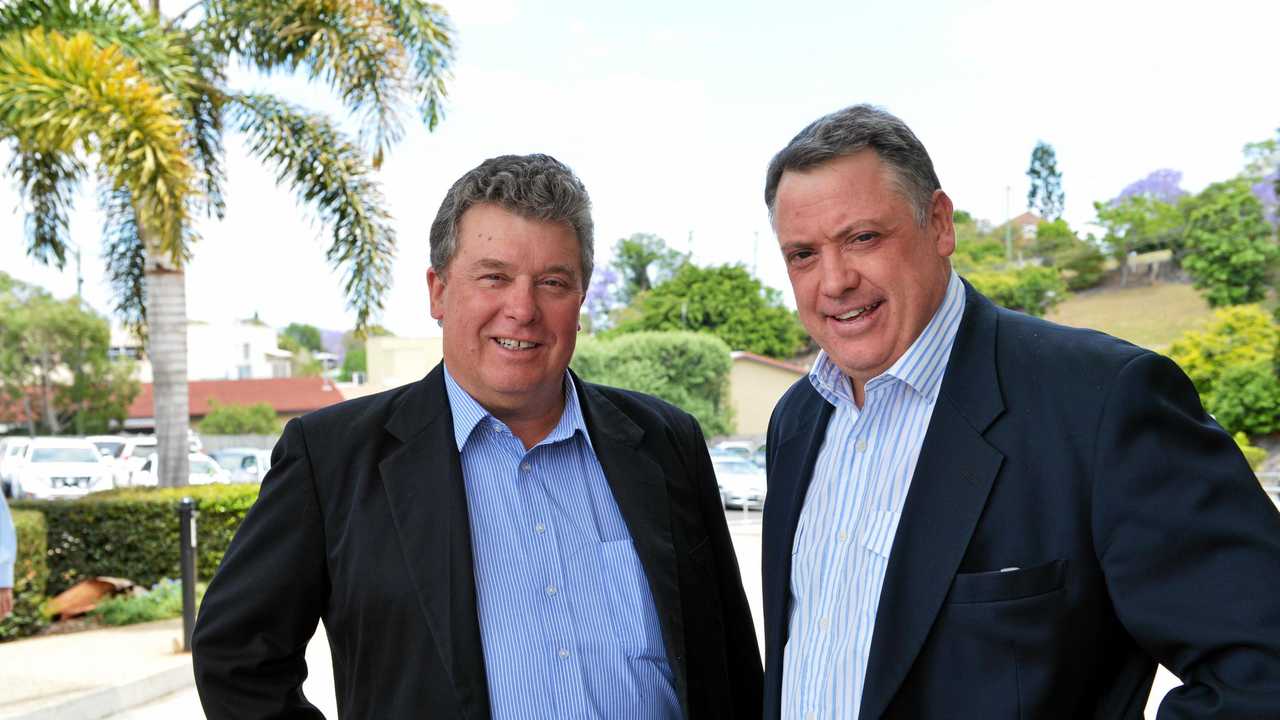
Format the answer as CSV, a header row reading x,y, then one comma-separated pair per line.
x,y
1252,455
1233,364
688,370
1032,290
255,419
1083,266
30,578
133,532
162,601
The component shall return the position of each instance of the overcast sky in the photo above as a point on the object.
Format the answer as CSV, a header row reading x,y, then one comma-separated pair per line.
x,y
669,111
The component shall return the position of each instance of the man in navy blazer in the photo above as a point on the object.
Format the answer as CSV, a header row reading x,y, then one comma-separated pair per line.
x,y
973,513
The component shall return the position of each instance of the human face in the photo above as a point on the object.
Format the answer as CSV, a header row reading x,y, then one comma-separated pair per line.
x,y
867,277
509,303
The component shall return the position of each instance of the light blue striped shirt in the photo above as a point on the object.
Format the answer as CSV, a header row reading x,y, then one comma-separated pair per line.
x,y
850,515
8,546
567,620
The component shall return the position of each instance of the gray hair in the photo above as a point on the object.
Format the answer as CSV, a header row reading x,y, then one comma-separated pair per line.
x,y
537,187
850,130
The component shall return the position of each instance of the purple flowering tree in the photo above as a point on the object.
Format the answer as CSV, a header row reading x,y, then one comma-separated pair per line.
x,y
602,297
1163,185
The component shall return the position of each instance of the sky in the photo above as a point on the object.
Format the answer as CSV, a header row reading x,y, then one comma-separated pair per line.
x,y
670,111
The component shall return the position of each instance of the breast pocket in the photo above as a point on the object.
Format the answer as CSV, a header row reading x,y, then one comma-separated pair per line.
x,y
631,608
1001,586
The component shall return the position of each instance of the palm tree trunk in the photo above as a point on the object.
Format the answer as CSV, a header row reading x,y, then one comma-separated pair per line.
x,y
167,347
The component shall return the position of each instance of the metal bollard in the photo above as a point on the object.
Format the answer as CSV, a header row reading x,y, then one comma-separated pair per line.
x,y
187,537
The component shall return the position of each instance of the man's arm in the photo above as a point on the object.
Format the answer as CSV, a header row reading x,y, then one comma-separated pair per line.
x,y
1190,545
746,675
8,556
263,604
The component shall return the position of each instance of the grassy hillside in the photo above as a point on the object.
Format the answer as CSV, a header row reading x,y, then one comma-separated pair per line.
x,y
1152,316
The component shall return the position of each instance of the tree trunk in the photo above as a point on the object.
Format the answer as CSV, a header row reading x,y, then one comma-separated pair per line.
x,y
46,396
167,347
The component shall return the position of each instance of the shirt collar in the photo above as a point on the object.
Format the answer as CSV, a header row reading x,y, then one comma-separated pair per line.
x,y
921,367
467,413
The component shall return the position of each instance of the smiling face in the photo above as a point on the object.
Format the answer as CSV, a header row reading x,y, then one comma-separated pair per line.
x,y
509,303
867,277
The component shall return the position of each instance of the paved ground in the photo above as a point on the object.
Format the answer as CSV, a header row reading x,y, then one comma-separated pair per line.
x,y
25,680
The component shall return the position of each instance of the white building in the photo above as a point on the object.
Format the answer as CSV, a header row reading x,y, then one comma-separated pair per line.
x,y
241,350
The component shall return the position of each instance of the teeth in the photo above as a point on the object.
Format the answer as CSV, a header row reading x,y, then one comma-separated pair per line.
x,y
510,344
856,312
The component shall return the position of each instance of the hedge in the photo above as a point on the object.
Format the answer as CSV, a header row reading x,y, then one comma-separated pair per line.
x,y
30,575
133,532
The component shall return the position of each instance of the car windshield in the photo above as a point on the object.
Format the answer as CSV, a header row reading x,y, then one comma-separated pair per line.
x,y
230,461
203,467
15,450
735,466
64,454
112,447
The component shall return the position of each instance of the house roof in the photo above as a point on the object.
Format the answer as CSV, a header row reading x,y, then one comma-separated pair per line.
x,y
780,364
287,396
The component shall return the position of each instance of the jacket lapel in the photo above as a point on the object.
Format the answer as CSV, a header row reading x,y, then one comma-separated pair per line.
x,y
948,492
428,501
639,487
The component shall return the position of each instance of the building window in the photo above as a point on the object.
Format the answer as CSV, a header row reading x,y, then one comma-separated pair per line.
x,y
244,372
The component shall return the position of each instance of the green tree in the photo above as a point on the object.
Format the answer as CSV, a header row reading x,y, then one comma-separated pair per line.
x,y
355,361
298,336
725,301
116,91
1141,223
1045,194
688,370
644,260
55,365
255,419
1234,364
1230,248
1032,290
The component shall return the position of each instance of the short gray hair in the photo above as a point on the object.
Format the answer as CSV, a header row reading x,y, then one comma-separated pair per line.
x,y
536,186
850,130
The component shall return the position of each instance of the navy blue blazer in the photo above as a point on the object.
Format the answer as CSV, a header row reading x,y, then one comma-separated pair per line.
x,y
1141,534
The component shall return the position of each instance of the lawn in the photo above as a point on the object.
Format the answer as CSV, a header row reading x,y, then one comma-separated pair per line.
x,y
1152,316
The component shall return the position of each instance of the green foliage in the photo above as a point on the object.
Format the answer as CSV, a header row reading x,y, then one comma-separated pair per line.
x,y
644,260
1253,455
256,419
1053,238
1230,247
977,254
355,361
162,601
960,217
1141,223
1032,290
1081,262
725,301
688,370
133,532
30,577
1045,195
53,359
301,336
1233,364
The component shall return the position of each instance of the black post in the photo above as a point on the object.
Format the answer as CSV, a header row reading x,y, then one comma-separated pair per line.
x,y
187,536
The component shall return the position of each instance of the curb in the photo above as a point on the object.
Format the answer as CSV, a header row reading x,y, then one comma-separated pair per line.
x,y
101,703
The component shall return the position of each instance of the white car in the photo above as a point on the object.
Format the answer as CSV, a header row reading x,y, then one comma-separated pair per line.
x,y
11,454
202,470
110,447
742,482
245,465
134,454
61,467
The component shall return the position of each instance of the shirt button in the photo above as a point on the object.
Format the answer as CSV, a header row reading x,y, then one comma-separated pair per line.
x,y
861,445
824,624
526,467
551,590
540,528
564,653
843,536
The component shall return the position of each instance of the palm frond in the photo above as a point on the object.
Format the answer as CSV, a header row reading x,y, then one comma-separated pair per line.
x,y
348,44
124,254
427,34
63,95
47,181
329,173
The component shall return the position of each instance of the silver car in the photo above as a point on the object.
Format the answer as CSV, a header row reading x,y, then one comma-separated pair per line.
x,y
61,467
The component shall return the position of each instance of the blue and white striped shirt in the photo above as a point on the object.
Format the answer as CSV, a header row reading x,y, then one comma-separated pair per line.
x,y
567,620
8,546
851,513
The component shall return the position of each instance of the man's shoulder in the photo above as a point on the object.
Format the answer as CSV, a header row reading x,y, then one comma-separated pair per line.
x,y
643,409
1039,340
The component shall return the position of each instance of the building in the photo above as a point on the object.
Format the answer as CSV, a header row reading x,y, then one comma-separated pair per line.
x,y
395,361
289,397
756,384
241,350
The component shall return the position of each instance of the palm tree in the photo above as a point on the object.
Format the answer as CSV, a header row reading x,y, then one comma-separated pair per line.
x,y
115,89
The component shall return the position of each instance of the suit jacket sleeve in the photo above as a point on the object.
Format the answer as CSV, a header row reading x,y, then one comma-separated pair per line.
x,y
742,651
1189,544
263,604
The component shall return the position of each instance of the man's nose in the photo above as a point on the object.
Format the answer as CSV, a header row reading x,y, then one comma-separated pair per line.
x,y
838,275
521,302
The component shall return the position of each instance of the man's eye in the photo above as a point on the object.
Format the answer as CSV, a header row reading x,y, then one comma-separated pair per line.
x,y
864,237
799,256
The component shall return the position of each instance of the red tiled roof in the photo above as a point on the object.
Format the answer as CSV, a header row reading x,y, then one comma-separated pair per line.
x,y
744,355
287,396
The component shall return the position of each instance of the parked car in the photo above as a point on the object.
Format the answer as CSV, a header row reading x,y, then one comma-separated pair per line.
x,y
758,457
61,467
11,453
735,448
202,470
244,464
110,447
742,482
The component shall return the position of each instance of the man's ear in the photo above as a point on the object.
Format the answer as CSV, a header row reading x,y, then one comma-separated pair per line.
x,y
942,224
435,291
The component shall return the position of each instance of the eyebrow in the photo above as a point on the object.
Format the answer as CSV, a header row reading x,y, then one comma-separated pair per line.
x,y
496,264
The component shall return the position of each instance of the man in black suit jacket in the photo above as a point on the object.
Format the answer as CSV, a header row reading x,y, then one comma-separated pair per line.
x,y
1068,515
364,520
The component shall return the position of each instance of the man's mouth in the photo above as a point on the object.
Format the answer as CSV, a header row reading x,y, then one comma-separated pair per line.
x,y
512,344
858,312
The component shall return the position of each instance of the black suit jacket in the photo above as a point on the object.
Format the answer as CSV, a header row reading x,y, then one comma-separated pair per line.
x,y
1141,535
362,522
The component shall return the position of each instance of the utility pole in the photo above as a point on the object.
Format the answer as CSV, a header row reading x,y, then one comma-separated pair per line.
x,y
79,276
755,255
